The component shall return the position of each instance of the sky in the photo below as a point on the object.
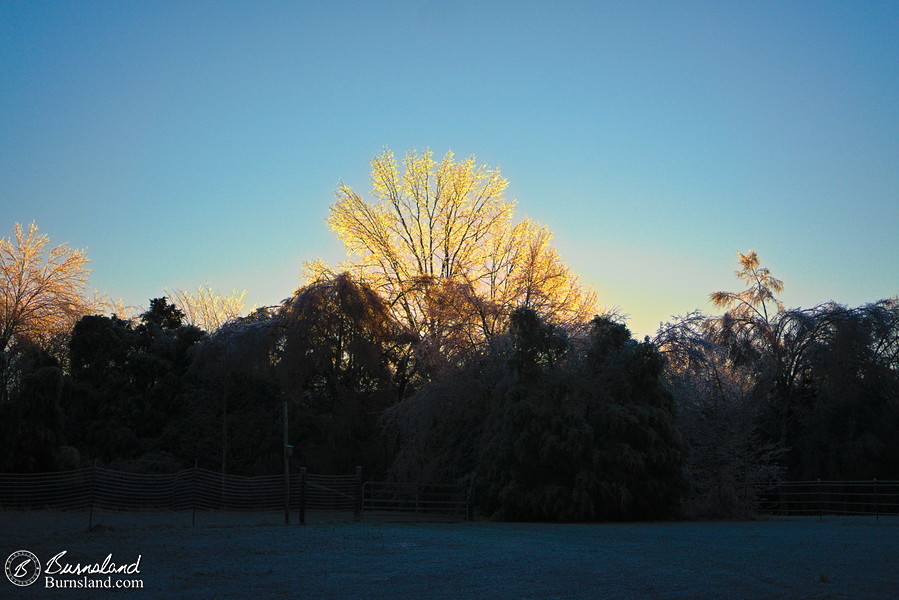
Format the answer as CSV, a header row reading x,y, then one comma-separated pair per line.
x,y
189,143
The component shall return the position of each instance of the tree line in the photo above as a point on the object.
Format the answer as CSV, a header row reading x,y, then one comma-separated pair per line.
x,y
453,342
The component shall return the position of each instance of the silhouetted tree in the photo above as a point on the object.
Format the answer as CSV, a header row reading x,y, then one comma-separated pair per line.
x,y
163,314
31,422
129,384
719,417
342,360
849,417
556,428
762,389
236,405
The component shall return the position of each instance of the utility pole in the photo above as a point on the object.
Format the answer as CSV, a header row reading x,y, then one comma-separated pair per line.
x,y
287,448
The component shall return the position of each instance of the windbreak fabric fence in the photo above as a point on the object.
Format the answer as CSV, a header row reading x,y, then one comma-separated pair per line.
x,y
201,490
196,489
829,498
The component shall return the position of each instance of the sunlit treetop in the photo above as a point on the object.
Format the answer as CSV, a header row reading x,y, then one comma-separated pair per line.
x,y
42,288
207,308
761,289
440,244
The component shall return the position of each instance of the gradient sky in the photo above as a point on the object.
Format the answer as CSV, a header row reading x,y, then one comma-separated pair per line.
x,y
191,142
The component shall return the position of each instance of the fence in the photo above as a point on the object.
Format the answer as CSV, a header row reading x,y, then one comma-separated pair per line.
x,y
201,490
97,487
416,500
330,493
829,498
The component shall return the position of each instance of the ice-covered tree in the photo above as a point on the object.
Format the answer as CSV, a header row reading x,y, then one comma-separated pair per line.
x,y
439,243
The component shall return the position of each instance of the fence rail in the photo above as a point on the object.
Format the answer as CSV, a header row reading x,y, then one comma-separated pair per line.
x,y
427,500
829,498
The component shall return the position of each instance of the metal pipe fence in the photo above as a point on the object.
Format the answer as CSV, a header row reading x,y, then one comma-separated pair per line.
x,y
829,498
424,500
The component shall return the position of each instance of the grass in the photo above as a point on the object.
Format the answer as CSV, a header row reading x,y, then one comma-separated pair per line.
x,y
235,556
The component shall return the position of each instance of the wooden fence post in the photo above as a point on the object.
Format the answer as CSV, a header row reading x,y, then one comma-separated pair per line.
x,y
90,517
876,503
287,448
469,500
302,495
193,496
820,495
357,516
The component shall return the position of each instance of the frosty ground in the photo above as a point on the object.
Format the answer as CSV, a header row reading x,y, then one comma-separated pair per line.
x,y
256,556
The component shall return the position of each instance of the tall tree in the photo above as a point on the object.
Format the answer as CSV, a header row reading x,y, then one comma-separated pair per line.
x,y
754,304
760,332
42,292
812,390
440,245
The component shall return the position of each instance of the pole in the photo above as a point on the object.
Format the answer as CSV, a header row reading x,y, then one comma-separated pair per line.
x,y
90,518
876,503
225,387
302,495
286,471
820,501
469,499
193,496
358,512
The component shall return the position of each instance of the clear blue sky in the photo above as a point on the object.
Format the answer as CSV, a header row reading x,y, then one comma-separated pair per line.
x,y
191,142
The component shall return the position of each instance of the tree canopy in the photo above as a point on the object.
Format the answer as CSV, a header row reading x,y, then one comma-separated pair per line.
x,y
42,289
556,428
440,245
207,308
766,391
42,294
456,346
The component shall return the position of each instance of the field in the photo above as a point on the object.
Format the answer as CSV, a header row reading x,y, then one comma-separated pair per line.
x,y
255,556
